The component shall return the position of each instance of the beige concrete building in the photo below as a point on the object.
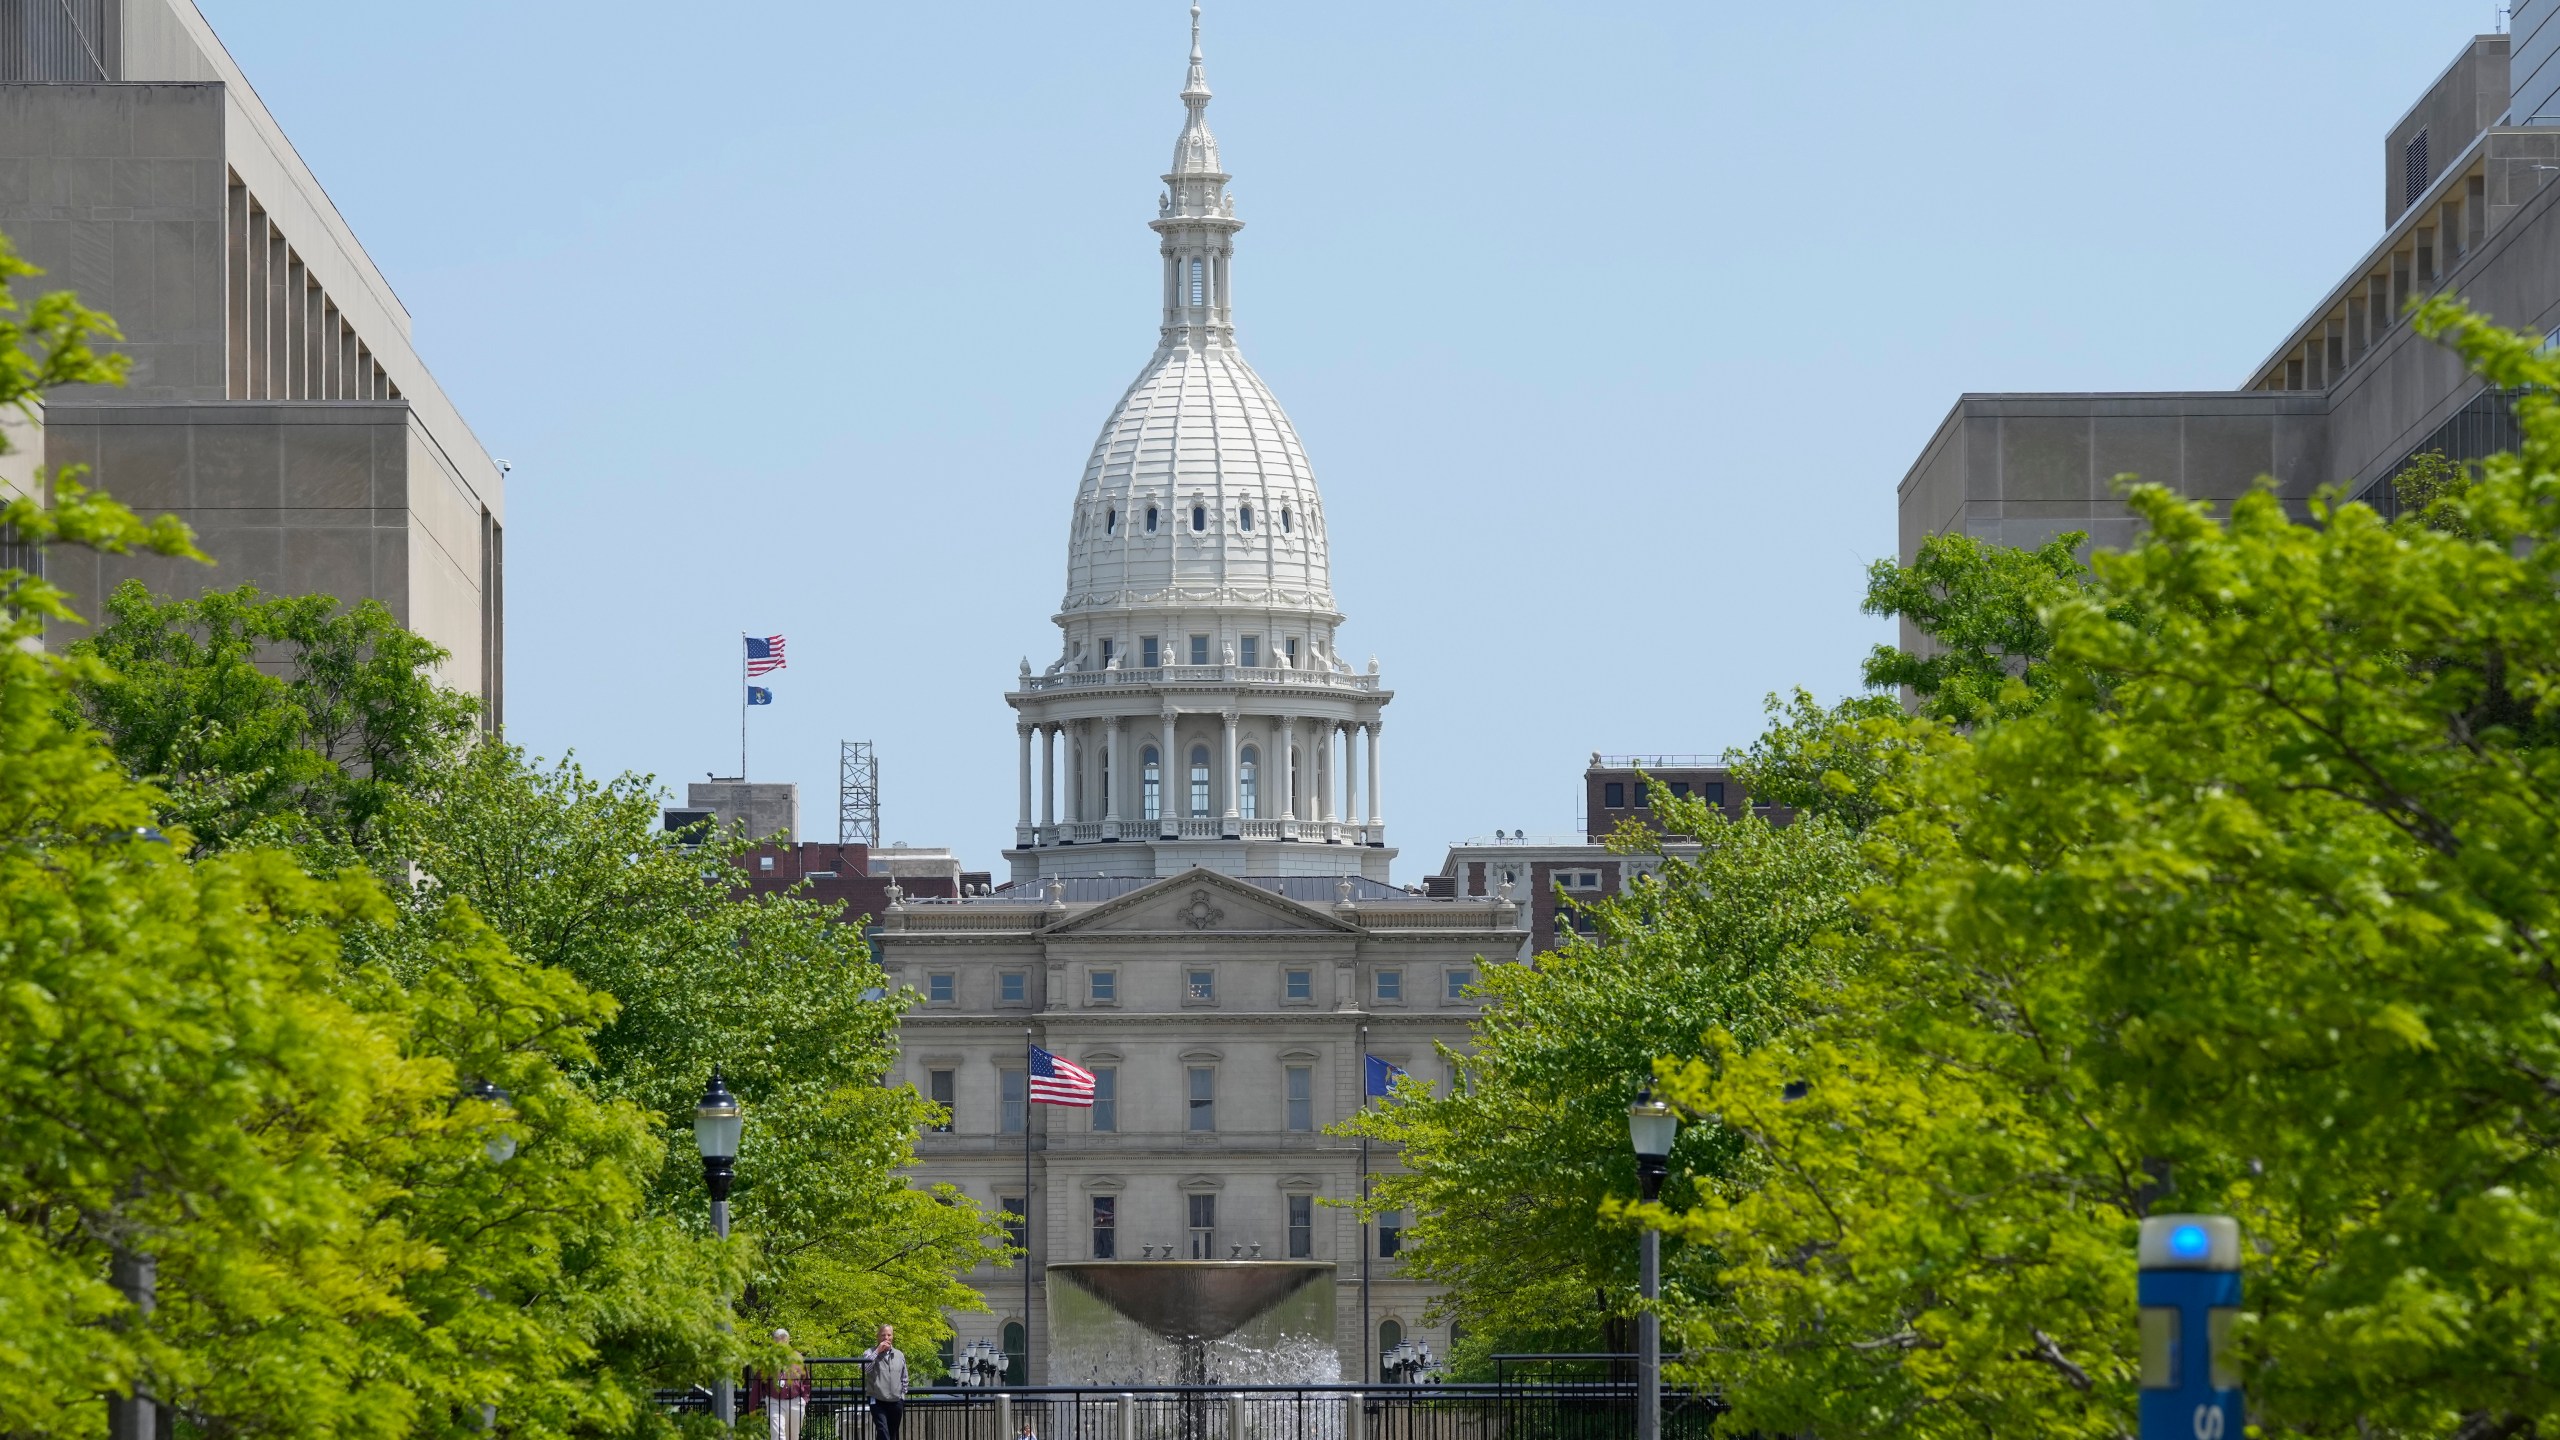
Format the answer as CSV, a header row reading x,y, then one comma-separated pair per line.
x,y
1192,917
274,401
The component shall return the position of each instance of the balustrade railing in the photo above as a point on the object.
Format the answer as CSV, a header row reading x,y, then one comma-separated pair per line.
x,y
1200,675
1569,1410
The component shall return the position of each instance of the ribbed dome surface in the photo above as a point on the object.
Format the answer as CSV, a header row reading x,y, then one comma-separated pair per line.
x,y
1198,433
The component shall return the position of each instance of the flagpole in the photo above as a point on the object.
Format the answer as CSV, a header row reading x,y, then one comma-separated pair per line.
x,y
742,706
1025,1205
1367,1334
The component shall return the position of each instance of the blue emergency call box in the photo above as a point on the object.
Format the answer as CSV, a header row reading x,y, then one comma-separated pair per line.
x,y
2189,1290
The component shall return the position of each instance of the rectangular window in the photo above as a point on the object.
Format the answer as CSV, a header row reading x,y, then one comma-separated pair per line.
x,y
1391,985
1204,1098
1390,1233
1106,1227
1011,1115
1204,1227
1199,649
1680,789
1614,795
1460,978
1249,652
1298,985
1017,1226
1302,1227
941,989
1301,1092
940,1087
1150,654
1105,1114
1290,645
1715,792
1106,654
1201,985
1103,987
1013,987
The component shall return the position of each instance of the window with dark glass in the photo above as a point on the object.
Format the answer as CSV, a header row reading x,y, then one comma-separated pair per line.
x,y
1390,1233
1244,517
1284,520
1680,789
941,989
1291,646
1017,1224
942,1088
1199,649
1103,986
1298,985
1017,1353
1302,1227
1199,782
1110,522
1011,1115
1715,792
1249,650
1199,518
1391,985
1204,1226
1614,795
1204,1098
1150,654
1200,985
1151,519
1013,987
1105,1114
1301,1093
1460,977
1106,654
1106,1227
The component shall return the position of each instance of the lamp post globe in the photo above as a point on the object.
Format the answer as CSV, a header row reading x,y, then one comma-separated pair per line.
x,y
1651,1127
717,1121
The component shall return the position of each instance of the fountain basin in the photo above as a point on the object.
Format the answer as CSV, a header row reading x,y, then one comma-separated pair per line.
x,y
1193,1322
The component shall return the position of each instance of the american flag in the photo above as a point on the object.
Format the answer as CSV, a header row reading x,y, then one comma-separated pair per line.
x,y
763,655
1059,1082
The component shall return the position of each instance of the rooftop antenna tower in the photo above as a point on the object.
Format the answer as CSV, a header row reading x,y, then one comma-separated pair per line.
x,y
858,795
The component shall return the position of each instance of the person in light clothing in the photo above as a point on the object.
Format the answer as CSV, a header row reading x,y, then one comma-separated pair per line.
x,y
786,1404
884,1379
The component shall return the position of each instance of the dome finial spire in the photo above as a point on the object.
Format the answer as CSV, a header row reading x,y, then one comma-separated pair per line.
x,y
1195,86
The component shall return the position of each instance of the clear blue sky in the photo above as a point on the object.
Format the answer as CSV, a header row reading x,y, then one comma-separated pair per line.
x,y
1610,329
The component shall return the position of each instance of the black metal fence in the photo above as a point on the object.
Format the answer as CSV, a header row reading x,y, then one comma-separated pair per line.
x,y
1593,1410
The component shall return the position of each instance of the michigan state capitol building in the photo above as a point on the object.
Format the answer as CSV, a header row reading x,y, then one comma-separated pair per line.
x,y
1198,910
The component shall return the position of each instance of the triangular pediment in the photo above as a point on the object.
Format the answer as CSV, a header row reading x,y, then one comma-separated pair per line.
x,y
1204,902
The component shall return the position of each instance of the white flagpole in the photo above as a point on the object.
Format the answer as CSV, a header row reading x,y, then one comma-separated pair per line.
x,y
742,705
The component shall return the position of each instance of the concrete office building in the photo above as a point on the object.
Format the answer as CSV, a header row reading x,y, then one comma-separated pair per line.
x,y
274,402
2350,394
1190,915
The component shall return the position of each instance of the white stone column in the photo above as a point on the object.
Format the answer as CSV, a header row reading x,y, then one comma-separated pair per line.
x,y
1233,823
1112,778
1049,779
1166,786
1289,777
1351,774
1320,783
1022,827
1377,806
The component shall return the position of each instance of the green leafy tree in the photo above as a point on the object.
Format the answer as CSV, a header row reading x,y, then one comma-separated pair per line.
x,y
1504,1175
309,749
1981,612
2252,914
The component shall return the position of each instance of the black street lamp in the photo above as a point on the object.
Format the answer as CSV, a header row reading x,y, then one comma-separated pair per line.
x,y
500,1147
1651,1126
716,1123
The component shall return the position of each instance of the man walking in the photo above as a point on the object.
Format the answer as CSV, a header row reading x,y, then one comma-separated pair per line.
x,y
884,1379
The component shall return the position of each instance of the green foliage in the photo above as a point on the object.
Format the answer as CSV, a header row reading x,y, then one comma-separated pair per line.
x,y
1839,761
1983,610
2426,479
2253,913
48,345
1504,1175
310,756
578,876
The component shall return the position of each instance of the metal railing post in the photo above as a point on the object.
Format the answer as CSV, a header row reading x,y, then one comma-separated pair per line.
x,y
1004,1418
1355,1416
1235,1416
1128,1417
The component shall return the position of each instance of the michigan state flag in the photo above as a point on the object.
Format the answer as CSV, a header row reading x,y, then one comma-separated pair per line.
x,y
758,695
1382,1077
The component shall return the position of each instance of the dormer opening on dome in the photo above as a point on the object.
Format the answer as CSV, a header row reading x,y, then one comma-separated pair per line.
x,y
1199,518
1111,522
1151,519
1244,517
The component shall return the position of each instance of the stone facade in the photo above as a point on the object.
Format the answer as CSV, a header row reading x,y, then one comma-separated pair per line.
x,y
1156,984
274,402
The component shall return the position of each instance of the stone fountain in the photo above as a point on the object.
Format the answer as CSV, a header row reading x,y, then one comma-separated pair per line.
x,y
1192,1322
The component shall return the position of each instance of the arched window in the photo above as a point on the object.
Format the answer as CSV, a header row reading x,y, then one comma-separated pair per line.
x,y
1247,771
1153,782
1017,1353
1390,1335
1151,519
1199,782
1199,518
1195,282
1244,517
1297,780
1284,520
1111,522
